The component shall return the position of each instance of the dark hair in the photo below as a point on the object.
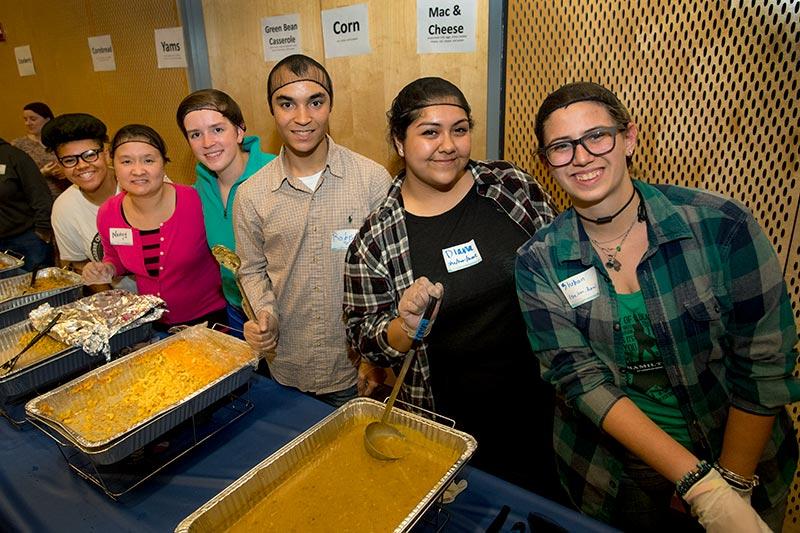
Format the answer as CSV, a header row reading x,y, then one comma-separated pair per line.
x,y
582,91
73,127
40,108
139,133
420,93
213,100
297,67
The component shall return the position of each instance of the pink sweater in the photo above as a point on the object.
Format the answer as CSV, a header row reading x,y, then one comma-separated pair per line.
x,y
189,280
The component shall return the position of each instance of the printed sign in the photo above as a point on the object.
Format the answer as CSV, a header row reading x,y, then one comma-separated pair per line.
x,y
281,36
444,26
580,288
346,31
102,53
170,50
24,60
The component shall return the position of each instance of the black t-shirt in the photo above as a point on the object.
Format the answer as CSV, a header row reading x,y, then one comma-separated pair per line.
x,y
483,373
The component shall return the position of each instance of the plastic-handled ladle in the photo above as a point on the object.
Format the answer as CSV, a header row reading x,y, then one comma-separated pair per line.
x,y
383,441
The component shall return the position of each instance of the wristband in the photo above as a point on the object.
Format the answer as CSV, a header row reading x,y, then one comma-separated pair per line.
x,y
736,481
691,477
410,332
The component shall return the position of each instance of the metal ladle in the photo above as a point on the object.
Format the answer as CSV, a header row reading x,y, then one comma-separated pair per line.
x,y
227,258
383,441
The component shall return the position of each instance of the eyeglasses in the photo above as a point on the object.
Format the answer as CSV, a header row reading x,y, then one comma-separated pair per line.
x,y
90,156
597,142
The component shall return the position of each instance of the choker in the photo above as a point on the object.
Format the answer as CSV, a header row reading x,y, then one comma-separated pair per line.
x,y
641,215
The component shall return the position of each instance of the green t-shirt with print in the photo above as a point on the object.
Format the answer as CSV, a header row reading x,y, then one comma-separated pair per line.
x,y
646,382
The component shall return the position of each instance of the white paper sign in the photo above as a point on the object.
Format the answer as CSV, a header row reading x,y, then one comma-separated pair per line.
x,y
580,288
169,48
446,26
24,60
346,31
102,53
281,36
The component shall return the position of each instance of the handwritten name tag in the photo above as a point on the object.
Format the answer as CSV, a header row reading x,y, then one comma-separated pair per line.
x,y
2,170
121,236
580,288
461,256
342,238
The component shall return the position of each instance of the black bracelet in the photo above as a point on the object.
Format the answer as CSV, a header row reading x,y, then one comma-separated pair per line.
x,y
691,477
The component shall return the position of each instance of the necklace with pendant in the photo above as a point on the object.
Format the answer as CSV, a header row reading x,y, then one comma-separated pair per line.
x,y
612,261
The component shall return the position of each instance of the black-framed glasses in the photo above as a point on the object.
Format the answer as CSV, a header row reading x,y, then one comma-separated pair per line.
x,y
90,156
597,142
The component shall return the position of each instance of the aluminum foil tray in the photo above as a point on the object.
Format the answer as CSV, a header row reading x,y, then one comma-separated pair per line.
x,y
9,262
121,445
226,507
15,308
35,377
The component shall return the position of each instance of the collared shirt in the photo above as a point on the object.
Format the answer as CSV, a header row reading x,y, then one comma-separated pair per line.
x,y
379,269
292,243
722,320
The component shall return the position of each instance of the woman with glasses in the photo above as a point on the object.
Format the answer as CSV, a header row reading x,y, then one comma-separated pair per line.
x,y
154,230
36,115
450,228
661,316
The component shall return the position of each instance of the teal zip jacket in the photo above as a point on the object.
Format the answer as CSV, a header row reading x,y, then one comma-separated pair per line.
x,y
218,217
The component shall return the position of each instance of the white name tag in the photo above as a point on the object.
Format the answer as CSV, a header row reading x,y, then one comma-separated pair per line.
x,y
580,288
342,238
461,256
2,170
121,236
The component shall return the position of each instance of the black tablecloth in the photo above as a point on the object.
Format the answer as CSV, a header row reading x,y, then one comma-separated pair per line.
x,y
40,493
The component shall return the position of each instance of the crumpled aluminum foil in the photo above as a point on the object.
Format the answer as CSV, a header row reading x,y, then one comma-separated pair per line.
x,y
91,322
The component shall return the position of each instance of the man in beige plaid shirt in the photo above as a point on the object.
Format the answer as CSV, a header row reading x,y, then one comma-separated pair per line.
x,y
293,221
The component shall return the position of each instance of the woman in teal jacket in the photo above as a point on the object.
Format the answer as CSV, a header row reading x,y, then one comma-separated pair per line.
x,y
213,124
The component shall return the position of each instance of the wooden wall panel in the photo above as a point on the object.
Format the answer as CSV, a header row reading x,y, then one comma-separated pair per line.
x,y
364,86
57,31
713,86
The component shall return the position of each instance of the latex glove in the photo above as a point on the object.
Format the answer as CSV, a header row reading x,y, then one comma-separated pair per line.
x,y
415,299
369,377
719,509
262,336
98,273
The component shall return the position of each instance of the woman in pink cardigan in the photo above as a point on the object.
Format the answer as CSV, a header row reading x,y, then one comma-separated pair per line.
x,y
154,230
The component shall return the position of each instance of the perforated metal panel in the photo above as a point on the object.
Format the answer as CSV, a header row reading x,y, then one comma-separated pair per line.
x,y
713,87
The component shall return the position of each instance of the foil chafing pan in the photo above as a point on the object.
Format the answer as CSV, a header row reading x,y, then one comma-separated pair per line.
x,y
10,262
14,306
24,380
226,507
121,445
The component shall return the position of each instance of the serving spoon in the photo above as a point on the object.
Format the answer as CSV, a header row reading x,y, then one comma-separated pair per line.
x,y
227,258
384,441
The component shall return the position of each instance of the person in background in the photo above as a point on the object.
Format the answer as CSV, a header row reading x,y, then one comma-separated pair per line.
x,y
450,228
78,142
36,115
154,230
25,205
293,220
213,124
661,316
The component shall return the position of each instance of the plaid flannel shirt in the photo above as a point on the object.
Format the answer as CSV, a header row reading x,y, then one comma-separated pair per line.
x,y
719,309
378,266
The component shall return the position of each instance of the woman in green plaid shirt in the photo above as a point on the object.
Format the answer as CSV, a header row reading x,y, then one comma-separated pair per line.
x,y
661,316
